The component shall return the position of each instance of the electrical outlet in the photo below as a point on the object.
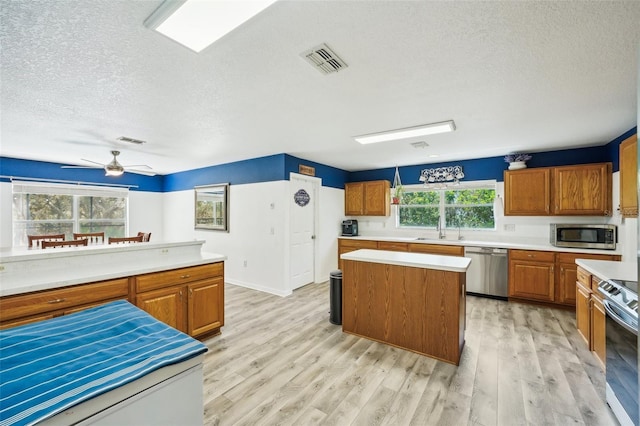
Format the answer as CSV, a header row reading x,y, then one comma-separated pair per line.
x,y
510,227
245,264
272,205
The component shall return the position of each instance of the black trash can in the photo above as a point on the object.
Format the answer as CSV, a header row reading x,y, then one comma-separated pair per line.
x,y
335,297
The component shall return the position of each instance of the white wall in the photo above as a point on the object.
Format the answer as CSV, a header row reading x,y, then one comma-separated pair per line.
x,y
532,228
6,202
254,209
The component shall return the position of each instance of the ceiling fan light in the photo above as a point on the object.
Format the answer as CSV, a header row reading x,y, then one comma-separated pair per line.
x,y
113,172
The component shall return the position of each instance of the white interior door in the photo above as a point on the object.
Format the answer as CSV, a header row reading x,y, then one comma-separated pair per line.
x,y
303,193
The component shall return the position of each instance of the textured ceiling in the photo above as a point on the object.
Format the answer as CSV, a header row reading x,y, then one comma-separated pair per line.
x,y
515,76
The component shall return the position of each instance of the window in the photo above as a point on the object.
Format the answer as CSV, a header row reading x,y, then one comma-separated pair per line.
x,y
466,207
65,209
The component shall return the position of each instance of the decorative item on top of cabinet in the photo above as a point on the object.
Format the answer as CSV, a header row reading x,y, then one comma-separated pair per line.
x,y
629,177
584,189
370,198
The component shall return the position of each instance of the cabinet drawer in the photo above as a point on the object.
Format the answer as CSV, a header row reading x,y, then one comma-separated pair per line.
x,y
46,301
442,249
393,246
358,244
162,279
571,257
539,256
584,277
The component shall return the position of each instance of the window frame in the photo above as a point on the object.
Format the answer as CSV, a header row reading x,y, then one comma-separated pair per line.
x,y
19,227
442,205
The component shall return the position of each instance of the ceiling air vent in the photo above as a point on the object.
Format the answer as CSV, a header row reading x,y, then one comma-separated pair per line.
x,y
131,140
324,59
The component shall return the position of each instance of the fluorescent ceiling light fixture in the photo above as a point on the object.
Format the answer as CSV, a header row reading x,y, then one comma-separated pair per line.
x,y
408,132
198,23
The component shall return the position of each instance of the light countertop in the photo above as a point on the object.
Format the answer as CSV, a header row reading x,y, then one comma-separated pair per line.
x,y
608,270
414,260
526,244
24,271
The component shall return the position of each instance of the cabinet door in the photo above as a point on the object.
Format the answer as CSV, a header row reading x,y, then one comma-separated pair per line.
x,y
206,306
531,280
583,310
598,329
584,189
377,201
628,177
527,192
166,305
354,198
566,288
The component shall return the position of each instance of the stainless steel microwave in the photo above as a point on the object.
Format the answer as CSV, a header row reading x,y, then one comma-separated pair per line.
x,y
602,237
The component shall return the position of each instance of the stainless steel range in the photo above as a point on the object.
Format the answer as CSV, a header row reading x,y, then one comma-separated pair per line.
x,y
621,304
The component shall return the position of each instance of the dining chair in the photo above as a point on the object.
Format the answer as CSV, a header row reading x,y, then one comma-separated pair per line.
x,y
70,243
38,239
145,236
121,240
92,237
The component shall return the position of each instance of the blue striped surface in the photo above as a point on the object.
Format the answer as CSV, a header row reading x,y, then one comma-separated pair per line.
x,y
49,366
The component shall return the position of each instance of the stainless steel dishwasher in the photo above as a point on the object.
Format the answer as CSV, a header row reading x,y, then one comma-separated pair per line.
x,y
487,273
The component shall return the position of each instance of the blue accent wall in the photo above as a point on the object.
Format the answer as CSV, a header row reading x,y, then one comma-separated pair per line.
x,y
263,169
278,167
44,170
331,176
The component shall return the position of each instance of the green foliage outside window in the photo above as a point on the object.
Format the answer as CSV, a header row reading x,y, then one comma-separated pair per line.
x,y
463,208
37,214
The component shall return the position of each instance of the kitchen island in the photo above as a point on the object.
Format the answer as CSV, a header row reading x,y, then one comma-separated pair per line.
x,y
175,282
413,301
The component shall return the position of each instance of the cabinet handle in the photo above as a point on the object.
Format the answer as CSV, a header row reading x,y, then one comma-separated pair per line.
x,y
531,255
185,276
190,292
56,301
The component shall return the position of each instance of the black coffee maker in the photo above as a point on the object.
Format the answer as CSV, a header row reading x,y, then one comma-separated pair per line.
x,y
350,228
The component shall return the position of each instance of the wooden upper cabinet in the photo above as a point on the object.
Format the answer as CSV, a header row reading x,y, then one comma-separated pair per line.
x,y
367,198
527,192
629,177
584,189
354,199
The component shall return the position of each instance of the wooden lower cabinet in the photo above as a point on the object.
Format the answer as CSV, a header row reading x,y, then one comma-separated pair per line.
x,y
185,300
189,299
346,246
598,328
26,308
547,276
166,305
205,312
583,312
590,315
532,275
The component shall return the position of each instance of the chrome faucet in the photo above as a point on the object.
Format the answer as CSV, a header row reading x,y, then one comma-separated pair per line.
x,y
441,235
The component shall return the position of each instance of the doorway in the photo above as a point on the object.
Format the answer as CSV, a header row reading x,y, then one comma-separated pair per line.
x,y
303,196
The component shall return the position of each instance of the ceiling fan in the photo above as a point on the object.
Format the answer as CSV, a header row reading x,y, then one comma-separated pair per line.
x,y
114,168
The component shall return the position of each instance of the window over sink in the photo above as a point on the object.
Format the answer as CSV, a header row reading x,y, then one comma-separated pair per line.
x,y
466,206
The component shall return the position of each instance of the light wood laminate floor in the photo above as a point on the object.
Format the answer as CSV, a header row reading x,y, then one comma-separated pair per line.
x,y
280,362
